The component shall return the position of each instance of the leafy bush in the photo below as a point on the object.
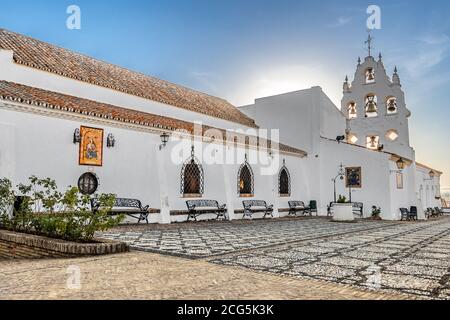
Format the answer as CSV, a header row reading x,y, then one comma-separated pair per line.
x,y
45,211
342,199
376,211
6,196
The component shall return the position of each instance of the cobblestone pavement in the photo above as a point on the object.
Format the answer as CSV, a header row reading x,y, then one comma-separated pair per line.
x,y
283,259
209,239
141,275
411,258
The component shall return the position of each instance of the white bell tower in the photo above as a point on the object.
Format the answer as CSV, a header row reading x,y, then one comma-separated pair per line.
x,y
375,108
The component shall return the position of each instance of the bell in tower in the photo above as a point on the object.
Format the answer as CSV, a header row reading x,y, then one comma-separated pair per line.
x,y
371,106
392,105
370,75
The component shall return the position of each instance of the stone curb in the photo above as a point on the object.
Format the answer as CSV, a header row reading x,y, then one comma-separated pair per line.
x,y
62,247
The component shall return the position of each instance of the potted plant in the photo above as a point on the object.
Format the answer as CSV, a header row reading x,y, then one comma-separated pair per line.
x,y
376,211
343,210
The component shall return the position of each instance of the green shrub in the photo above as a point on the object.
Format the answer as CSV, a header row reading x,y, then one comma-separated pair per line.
x,y
6,196
342,199
45,211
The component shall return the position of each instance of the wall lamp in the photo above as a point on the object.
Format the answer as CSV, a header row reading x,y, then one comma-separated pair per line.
x,y
76,136
110,141
432,174
164,140
401,164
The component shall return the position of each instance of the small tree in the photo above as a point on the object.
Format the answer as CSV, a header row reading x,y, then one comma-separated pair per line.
x,y
45,211
7,197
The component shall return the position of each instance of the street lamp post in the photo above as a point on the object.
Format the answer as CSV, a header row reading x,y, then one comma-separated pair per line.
x,y
340,175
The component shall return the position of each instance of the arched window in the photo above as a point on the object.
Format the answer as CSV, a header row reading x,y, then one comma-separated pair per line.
x,y
245,180
284,181
391,105
352,111
370,75
371,106
373,142
192,181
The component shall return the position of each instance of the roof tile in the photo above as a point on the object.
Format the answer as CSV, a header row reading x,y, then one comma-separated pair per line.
x,y
40,55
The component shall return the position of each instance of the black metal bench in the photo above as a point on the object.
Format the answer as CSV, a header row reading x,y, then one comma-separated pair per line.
x,y
433,212
298,206
199,207
130,207
253,206
358,209
408,214
439,211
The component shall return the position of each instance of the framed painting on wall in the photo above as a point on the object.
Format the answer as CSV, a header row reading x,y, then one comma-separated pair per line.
x,y
353,177
91,147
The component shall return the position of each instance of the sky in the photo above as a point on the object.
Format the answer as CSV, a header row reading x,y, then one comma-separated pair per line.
x,y
245,49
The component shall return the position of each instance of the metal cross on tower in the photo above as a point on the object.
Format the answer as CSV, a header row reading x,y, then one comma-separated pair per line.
x,y
369,43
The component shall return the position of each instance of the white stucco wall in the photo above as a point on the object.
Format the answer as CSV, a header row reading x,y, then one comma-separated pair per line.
x,y
41,145
427,188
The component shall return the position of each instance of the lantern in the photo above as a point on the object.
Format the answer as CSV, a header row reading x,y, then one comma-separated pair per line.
x,y
400,164
164,140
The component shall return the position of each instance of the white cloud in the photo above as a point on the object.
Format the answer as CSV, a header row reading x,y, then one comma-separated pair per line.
x,y
207,80
282,79
428,52
432,39
341,21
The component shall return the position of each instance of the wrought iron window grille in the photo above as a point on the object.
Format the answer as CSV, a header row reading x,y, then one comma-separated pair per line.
x,y
192,176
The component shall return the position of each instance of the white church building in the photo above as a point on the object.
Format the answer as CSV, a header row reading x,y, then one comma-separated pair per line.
x,y
107,129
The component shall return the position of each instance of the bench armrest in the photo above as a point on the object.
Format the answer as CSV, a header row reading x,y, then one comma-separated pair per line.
x,y
270,207
223,207
145,208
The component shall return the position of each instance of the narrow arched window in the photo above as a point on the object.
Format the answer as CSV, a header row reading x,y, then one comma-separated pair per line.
x,y
391,105
371,106
192,180
352,111
284,181
245,180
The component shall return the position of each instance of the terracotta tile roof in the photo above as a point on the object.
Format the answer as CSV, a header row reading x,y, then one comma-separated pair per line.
x,y
40,55
58,101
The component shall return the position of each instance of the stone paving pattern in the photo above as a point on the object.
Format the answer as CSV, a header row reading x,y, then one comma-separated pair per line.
x,y
299,259
411,258
210,239
141,275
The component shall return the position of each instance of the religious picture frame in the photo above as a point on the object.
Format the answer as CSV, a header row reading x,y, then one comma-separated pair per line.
x,y
91,147
353,177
